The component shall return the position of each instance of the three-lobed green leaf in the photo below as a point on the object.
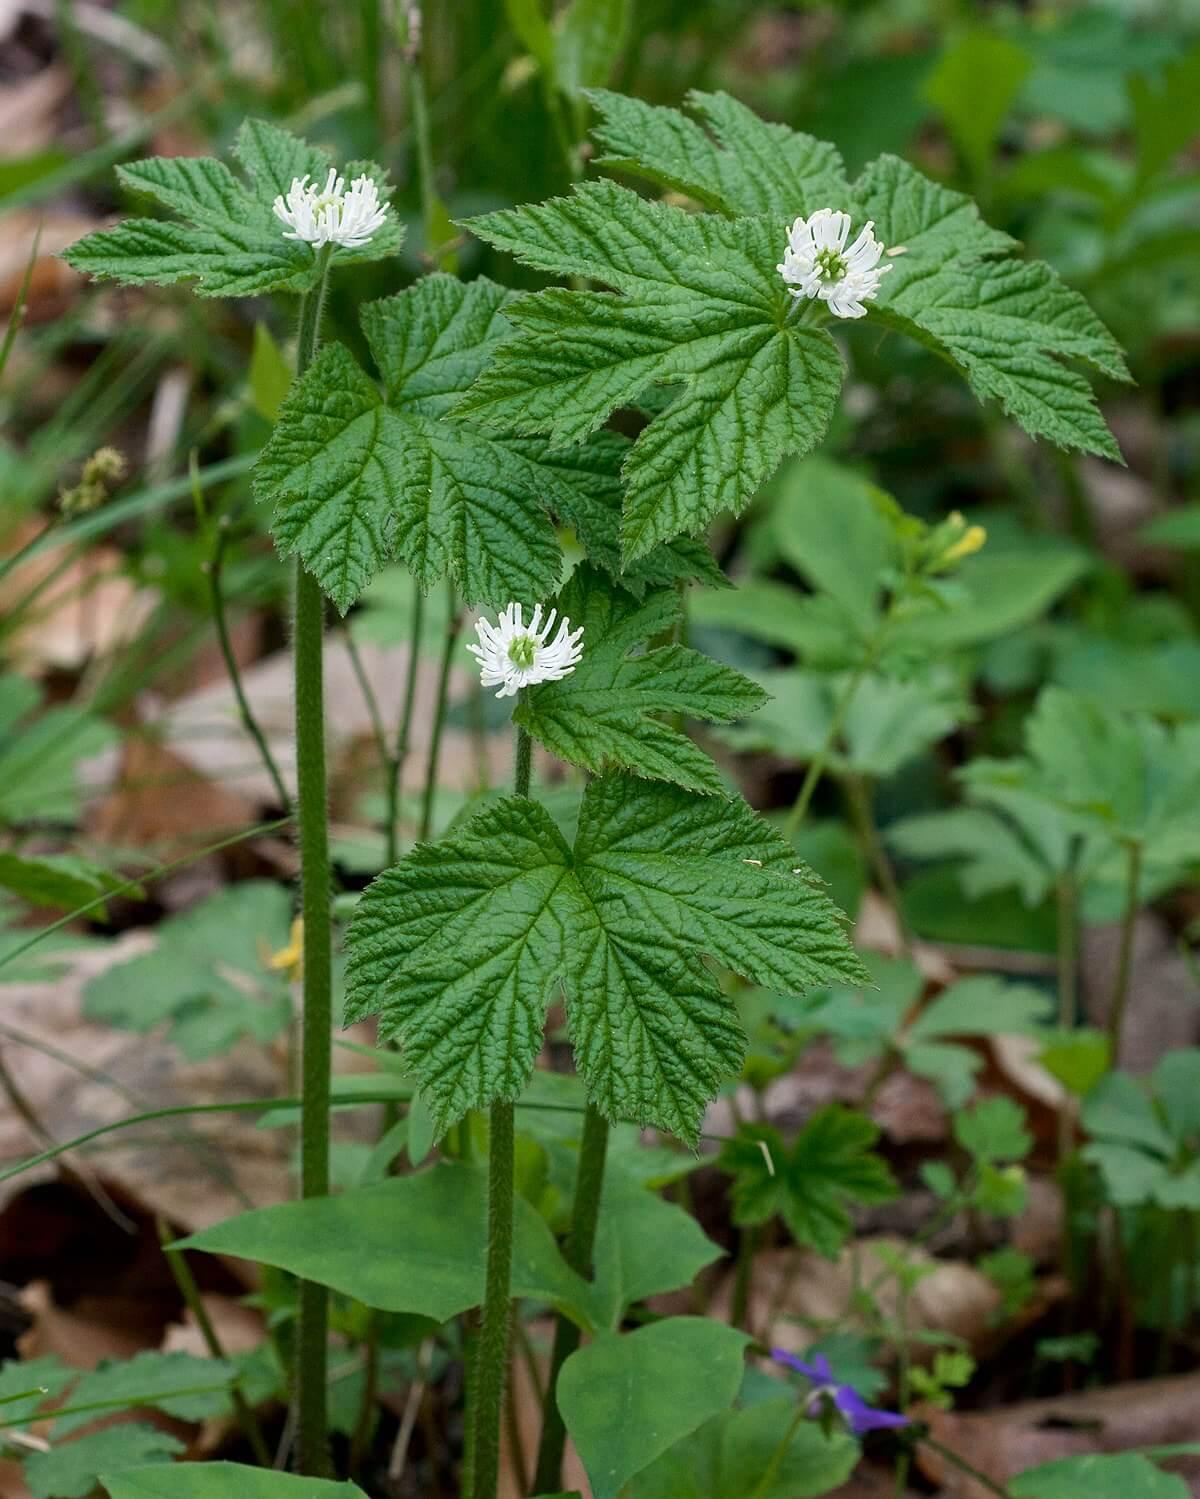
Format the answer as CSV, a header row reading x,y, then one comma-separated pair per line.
x,y
230,242
700,305
462,945
598,717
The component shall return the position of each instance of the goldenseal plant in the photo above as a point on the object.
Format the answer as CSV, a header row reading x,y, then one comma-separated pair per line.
x,y
476,437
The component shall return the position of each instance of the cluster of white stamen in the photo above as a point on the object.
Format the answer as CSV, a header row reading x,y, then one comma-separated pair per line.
x,y
817,262
331,215
515,655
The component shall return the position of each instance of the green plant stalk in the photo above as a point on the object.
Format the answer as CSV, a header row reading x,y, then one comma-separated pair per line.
x,y
308,639
771,1472
439,715
743,1274
491,1356
858,798
577,1251
816,766
214,568
404,732
181,1272
1120,995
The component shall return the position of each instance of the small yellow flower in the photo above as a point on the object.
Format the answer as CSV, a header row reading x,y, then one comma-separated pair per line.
x,y
290,959
969,542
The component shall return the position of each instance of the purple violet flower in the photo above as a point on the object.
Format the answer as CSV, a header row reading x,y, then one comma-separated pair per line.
x,y
826,1393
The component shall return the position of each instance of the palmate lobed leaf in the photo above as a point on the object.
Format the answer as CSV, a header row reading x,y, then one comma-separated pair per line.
x,y
830,1163
461,946
598,716
699,303
358,475
230,242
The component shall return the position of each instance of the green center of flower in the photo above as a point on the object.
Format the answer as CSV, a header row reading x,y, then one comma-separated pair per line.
x,y
521,650
830,266
328,200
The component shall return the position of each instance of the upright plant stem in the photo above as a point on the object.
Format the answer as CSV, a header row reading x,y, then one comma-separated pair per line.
x,y
773,1469
1120,995
577,1251
1068,896
404,732
491,1354
439,714
181,1273
816,766
307,645
858,797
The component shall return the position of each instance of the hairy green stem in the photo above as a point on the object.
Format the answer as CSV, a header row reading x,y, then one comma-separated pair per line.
x,y
453,625
743,1274
1120,994
491,1355
577,1251
308,639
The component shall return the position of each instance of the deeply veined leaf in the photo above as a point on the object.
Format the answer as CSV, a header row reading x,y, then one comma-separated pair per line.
x,y
1007,325
700,304
598,716
357,475
460,947
229,242
746,166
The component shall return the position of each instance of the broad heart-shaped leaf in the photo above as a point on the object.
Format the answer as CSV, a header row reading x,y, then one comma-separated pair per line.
x,y
1094,1475
644,1246
626,1398
598,716
829,1164
750,167
1005,324
460,947
701,305
413,1244
220,1481
729,1457
230,242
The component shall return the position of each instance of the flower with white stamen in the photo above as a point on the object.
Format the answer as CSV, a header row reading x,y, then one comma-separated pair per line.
x,y
331,215
817,262
515,654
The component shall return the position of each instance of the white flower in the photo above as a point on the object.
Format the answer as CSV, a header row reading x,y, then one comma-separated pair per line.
x,y
331,215
518,655
817,263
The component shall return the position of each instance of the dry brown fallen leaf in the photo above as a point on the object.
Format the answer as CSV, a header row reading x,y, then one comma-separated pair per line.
x,y
89,609
1005,1442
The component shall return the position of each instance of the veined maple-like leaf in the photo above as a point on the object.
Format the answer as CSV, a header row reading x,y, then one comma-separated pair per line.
x,y
358,475
231,244
746,166
1007,325
700,304
598,716
829,1164
462,945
